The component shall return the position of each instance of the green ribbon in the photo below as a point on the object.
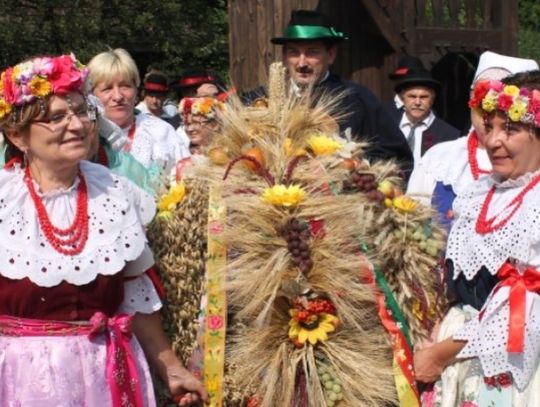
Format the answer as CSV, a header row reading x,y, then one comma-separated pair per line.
x,y
305,32
391,303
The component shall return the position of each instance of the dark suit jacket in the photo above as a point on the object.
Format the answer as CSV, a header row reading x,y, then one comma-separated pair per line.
x,y
438,132
360,111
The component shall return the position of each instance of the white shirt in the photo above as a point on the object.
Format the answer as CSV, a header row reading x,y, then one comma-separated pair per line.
x,y
446,162
405,127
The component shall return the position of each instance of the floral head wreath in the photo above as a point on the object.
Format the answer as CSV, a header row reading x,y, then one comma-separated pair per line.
x,y
519,104
38,78
203,106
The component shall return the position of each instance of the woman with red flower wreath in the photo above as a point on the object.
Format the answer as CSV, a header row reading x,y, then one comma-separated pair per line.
x,y
447,168
77,308
493,259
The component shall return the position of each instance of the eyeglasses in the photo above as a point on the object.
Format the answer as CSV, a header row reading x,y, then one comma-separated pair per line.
x,y
198,124
58,122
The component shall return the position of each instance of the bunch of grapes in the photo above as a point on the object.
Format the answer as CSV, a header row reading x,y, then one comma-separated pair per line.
x,y
423,235
365,183
297,234
332,387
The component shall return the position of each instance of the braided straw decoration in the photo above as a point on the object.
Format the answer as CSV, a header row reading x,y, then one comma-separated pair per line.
x,y
179,246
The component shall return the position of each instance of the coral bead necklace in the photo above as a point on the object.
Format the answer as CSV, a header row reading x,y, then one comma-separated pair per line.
x,y
485,225
69,241
472,148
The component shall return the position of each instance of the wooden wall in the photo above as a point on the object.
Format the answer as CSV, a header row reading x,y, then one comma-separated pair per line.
x,y
379,32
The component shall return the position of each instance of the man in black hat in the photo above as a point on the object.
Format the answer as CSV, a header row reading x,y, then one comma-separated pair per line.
x,y
405,63
417,89
309,49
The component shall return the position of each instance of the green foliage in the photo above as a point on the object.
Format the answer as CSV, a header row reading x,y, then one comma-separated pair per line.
x,y
529,32
169,35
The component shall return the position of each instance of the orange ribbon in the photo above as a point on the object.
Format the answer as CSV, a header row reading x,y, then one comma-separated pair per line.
x,y
519,285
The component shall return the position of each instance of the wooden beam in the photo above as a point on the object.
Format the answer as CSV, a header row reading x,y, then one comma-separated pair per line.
x,y
389,29
458,40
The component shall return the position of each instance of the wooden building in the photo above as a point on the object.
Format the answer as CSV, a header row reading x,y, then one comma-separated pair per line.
x,y
448,35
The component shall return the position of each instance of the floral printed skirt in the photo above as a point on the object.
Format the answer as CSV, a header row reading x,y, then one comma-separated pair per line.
x,y
61,371
463,383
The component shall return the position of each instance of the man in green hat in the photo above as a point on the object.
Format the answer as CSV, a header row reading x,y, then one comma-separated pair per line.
x,y
309,49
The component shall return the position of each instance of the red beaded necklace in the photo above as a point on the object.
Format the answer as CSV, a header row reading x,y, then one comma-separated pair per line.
x,y
130,136
472,148
485,225
102,156
70,241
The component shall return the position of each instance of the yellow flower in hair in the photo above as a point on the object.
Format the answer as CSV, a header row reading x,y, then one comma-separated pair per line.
x,y
175,195
323,145
326,323
40,87
489,104
405,204
511,90
5,108
282,195
517,110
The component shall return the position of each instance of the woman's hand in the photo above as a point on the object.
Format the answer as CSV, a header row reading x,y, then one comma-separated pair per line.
x,y
430,361
427,365
184,387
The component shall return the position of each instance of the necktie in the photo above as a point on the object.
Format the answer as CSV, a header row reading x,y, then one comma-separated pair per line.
x,y
411,139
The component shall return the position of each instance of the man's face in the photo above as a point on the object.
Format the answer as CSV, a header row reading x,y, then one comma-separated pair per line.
x,y
308,61
154,102
417,102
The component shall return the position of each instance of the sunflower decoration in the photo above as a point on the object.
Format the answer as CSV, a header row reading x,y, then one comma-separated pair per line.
x,y
311,321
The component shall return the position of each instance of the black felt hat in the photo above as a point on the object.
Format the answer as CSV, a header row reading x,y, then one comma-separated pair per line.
x,y
416,77
309,25
406,63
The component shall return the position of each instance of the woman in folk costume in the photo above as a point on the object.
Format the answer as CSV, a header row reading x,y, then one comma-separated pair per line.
x,y
153,142
447,168
493,259
77,308
319,276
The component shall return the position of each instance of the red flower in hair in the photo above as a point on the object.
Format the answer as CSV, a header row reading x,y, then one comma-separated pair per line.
x,y
11,92
504,102
480,91
65,77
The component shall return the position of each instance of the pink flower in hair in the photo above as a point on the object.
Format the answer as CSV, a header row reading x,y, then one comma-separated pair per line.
x,y
497,86
43,66
65,77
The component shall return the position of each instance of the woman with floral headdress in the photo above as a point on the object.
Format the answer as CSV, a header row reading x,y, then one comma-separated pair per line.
x,y
493,259
201,121
447,168
73,257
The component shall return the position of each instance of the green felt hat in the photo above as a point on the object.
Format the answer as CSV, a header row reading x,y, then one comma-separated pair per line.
x,y
308,25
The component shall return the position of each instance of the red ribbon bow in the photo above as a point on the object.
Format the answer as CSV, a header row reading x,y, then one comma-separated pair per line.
x,y
121,370
519,284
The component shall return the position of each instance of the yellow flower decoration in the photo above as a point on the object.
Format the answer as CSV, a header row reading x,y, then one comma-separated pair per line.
x,y
323,145
282,195
5,108
175,195
489,104
511,90
517,110
40,87
405,204
327,323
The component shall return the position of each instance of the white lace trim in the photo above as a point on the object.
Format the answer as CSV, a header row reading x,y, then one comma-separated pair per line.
x,y
140,296
117,209
155,142
519,239
487,339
